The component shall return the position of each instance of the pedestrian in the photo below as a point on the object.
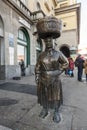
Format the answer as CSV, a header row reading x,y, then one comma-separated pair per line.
x,y
79,64
22,66
67,69
71,67
85,68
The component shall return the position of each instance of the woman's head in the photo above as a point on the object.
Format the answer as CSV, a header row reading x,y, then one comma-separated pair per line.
x,y
48,42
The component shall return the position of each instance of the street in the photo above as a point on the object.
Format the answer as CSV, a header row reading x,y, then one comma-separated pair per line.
x,y
19,109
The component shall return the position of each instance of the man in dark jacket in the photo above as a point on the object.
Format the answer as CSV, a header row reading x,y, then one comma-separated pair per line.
x,y
79,64
22,66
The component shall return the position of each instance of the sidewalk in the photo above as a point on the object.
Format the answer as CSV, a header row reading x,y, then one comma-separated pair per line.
x,y
24,80
22,113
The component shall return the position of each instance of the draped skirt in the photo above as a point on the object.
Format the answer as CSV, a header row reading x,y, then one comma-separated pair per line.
x,y
49,91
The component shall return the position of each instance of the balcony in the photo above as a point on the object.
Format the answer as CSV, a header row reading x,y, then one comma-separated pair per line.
x,y
37,15
22,6
23,11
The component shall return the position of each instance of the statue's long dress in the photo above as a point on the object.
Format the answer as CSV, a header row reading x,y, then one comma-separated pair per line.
x,y
49,87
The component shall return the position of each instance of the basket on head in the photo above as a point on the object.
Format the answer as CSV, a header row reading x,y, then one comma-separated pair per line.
x,y
49,27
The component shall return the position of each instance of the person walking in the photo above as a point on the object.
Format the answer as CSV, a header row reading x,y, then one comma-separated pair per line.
x,y
67,69
85,68
79,64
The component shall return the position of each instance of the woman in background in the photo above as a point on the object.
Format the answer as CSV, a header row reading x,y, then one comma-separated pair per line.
x,y
85,68
71,67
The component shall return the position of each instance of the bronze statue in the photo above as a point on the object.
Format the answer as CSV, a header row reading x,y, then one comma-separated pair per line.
x,y
50,65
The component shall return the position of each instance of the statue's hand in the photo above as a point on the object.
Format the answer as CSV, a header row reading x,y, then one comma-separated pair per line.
x,y
37,77
61,71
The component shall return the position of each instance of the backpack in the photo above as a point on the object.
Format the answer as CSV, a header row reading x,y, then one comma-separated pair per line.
x,y
76,63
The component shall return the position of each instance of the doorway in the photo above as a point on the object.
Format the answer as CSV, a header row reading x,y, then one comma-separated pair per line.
x,y
23,46
65,50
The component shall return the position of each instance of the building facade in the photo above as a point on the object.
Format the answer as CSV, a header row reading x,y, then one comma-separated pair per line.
x,y
18,19
18,37
69,12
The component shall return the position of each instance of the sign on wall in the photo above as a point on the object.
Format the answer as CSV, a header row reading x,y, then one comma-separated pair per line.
x,y
11,49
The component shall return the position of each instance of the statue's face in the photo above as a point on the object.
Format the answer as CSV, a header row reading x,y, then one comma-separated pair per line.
x,y
48,42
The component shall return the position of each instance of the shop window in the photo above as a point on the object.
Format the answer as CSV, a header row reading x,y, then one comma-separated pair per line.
x,y
22,47
21,53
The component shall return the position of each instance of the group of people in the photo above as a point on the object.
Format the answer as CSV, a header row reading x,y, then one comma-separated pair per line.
x,y
81,63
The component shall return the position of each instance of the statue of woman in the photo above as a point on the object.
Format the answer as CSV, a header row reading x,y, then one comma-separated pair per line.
x,y
50,65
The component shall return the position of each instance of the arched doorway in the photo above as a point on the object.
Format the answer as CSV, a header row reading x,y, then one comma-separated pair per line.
x,y
65,50
23,46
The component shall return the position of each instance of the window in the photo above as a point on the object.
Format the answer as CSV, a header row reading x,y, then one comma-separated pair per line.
x,y
21,51
72,52
22,36
47,5
38,6
24,1
38,47
63,5
61,0
23,46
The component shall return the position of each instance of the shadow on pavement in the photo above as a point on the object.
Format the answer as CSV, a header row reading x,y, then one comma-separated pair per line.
x,y
22,88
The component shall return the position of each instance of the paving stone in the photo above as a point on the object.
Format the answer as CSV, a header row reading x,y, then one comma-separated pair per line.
x,y
79,121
